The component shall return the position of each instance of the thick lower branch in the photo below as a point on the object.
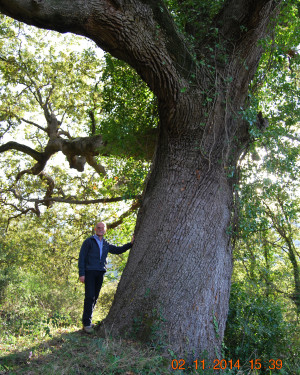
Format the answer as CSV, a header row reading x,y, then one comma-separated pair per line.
x,y
133,208
239,18
38,156
81,150
69,199
142,33
47,201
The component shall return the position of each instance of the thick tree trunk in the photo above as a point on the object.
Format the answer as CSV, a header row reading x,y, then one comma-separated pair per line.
x,y
175,287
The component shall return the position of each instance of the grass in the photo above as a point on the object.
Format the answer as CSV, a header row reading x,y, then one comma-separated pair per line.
x,y
70,351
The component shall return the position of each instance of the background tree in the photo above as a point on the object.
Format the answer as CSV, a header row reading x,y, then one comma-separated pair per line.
x,y
178,274
268,245
269,211
266,254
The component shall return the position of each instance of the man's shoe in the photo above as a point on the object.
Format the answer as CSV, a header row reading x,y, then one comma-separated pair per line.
x,y
88,329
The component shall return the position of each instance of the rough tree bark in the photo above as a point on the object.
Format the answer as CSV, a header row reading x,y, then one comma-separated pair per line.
x,y
175,287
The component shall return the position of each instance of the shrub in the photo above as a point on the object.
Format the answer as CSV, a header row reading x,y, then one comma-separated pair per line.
x,y
256,329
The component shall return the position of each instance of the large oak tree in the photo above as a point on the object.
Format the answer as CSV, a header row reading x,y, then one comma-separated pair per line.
x,y
175,287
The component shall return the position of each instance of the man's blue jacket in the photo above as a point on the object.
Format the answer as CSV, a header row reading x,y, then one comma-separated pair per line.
x,y
89,256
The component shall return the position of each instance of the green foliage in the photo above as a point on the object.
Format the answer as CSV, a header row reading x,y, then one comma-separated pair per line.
x,y
39,287
276,85
129,113
268,197
268,231
256,329
192,17
148,328
35,70
87,96
125,178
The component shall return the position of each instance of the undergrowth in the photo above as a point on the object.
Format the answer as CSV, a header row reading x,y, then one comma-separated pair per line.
x,y
68,351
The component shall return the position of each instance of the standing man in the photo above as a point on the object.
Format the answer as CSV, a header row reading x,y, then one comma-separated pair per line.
x,y
91,264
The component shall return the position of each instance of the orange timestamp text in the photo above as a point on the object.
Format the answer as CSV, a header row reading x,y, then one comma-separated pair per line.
x,y
223,364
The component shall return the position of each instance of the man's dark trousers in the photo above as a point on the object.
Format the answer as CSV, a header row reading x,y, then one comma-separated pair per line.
x,y
93,282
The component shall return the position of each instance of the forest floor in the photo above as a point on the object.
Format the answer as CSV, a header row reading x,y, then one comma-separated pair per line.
x,y
71,351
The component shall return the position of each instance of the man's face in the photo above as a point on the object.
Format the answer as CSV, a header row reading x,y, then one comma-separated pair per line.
x,y
100,229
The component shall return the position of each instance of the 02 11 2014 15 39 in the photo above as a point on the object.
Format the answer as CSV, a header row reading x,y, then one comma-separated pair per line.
x,y
218,364
222,364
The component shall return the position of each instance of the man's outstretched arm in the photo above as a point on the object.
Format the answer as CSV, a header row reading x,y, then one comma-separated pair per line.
x,y
120,249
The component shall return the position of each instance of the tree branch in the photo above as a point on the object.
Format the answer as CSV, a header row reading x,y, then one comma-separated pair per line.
x,y
10,124
31,123
35,210
133,208
83,149
140,32
93,121
78,151
241,17
69,199
78,201
93,163
51,184
64,132
241,24
38,156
